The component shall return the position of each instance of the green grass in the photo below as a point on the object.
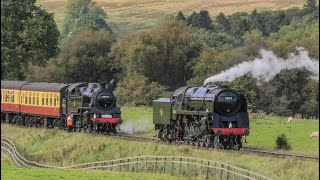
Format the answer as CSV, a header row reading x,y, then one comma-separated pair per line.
x,y
263,130
263,133
57,147
129,16
10,172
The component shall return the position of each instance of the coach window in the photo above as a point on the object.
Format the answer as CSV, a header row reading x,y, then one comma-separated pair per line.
x,y
12,98
54,100
37,98
47,99
42,99
33,102
4,96
25,97
29,98
58,100
50,99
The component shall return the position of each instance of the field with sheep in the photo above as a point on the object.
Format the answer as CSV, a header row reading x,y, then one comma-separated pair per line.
x,y
263,130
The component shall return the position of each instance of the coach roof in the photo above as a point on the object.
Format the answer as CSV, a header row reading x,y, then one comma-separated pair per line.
x,y
12,84
42,86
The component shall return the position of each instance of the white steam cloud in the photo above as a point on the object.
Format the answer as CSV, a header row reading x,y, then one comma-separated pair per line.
x,y
136,126
268,66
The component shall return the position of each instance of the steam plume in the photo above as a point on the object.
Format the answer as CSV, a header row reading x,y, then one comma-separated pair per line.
x,y
137,126
268,66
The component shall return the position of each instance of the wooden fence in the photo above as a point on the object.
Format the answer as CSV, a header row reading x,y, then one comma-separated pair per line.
x,y
185,166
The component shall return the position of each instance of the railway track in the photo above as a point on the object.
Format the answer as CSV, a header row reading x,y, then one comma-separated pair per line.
x,y
243,150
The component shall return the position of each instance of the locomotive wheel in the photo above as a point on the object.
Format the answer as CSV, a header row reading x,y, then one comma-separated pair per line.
x,y
216,144
186,141
202,144
88,129
208,142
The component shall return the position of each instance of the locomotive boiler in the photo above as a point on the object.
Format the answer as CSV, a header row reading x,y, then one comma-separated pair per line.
x,y
207,116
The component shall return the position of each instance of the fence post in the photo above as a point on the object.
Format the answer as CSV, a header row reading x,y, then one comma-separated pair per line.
x,y
215,170
248,175
136,169
120,165
128,166
145,165
111,164
201,168
195,168
188,166
228,173
180,166
156,169
221,172
207,173
172,165
164,165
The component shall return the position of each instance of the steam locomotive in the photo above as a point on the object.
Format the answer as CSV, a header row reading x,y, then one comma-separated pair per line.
x,y
48,105
207,116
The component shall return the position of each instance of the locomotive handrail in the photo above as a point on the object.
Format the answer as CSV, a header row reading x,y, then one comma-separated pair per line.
x,y
8,146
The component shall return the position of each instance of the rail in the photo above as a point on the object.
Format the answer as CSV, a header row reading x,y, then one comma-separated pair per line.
x,y
186,166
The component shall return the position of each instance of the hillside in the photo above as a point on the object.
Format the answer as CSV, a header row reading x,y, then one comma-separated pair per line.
x,y
127,16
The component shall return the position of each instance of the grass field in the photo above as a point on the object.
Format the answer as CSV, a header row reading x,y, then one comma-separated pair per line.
x,y
56,147
130,16
10,172
263,131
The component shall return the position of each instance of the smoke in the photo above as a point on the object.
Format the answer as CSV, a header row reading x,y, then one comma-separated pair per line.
x,y
137,126
268,66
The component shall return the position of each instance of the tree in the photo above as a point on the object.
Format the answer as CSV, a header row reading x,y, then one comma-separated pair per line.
x,y
137,90
83,15
201,20
28,35
180,16
164,54
83,58
206,64
223,23
310,6
239,24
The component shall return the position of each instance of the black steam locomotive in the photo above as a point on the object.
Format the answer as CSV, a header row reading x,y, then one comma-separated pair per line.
x,y
49,105
208,116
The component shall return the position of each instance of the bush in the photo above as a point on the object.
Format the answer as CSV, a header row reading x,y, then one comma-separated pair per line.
x,y
282,142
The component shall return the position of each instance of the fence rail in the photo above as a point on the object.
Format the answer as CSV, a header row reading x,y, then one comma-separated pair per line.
x,y
173,165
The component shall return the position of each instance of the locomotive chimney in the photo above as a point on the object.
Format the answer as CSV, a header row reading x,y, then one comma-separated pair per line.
x,y
103,85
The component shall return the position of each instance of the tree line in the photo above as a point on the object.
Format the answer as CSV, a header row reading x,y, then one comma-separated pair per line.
x,y
181,50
